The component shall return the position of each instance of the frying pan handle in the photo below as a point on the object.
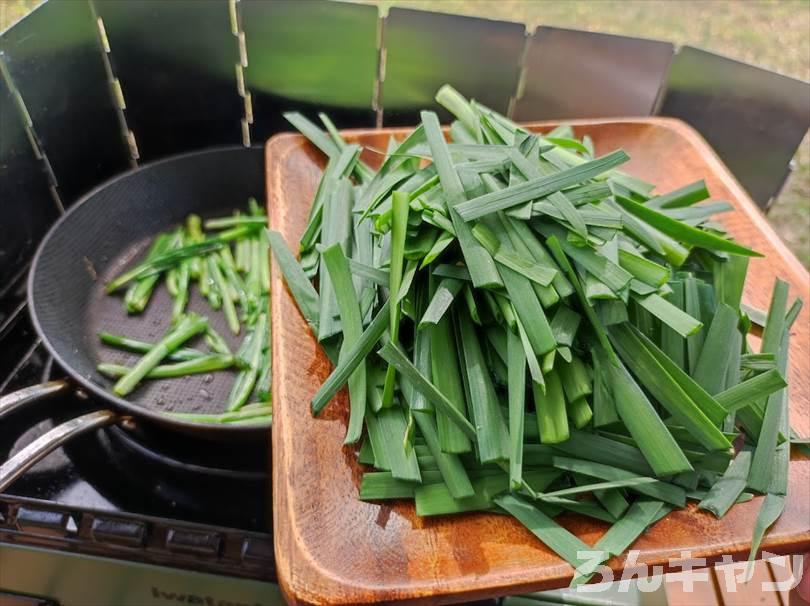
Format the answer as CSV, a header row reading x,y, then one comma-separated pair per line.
x,y
29,395
46,443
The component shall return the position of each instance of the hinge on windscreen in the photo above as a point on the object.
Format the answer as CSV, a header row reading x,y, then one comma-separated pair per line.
x,y
240,66
31,134
521,82
116,88
379,79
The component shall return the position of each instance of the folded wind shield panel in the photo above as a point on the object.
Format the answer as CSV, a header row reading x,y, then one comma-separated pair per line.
x,y
54,59
574,74
754,118
176,62
28,207
309,56
479,57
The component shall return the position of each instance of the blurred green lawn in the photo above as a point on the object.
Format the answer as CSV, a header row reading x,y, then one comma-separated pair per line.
x,y
11,10
771,34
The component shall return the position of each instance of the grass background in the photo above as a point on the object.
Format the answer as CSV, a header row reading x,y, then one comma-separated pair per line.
x,y
770,34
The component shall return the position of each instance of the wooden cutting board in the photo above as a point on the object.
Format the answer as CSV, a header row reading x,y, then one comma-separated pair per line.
x,y
332,548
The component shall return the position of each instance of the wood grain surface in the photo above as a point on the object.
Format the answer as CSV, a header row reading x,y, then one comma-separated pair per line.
x,y
332,548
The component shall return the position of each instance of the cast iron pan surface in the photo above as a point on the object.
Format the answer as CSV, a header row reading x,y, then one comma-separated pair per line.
x,y
108,231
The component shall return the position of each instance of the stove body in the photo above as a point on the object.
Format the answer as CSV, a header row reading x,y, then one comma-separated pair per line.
x,y
89,89
109,519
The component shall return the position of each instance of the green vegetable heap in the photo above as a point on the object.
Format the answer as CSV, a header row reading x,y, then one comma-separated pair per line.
x,y
525,328
232,271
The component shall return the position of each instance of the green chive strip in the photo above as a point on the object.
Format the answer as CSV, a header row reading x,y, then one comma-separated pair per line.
x,y
188,327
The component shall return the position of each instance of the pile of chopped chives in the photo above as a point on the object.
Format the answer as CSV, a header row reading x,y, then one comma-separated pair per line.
x,y
524,328
231,267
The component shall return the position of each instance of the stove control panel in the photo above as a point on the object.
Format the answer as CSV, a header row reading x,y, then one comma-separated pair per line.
x,y
159,541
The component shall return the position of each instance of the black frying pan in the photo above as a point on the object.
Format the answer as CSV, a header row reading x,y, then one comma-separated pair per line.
x,y
105,232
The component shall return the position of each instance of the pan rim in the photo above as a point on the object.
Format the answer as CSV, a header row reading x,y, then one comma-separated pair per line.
x,y
177,464
121,404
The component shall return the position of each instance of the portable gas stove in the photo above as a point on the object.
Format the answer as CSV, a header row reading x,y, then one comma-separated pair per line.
x,y
123,516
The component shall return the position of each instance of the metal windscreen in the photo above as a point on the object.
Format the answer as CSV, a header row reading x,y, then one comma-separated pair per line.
x,y
754,118
53,58
573,74
89,89
310,57
175,64
479,57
